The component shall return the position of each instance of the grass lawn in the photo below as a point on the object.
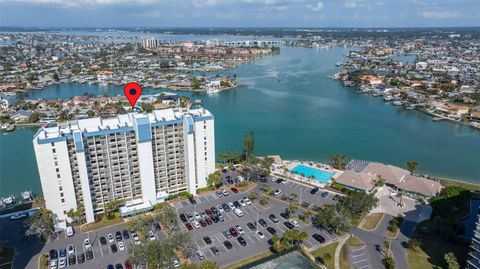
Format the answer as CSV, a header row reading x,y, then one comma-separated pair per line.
x,y
249,260
321,252
355,242
431,255
43,261
371,221
101,224
466,185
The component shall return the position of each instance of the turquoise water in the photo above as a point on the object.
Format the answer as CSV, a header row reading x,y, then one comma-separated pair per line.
x,y
297,112
318,175
292,260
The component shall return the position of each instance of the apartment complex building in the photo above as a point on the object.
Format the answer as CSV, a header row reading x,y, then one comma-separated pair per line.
x,y
138,158
473,260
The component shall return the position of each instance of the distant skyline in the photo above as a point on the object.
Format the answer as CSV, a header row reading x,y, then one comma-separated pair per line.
x,y
240,13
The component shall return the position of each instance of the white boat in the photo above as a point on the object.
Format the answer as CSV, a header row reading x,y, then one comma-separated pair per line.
x,y
9,200
27,195
397,103
8,127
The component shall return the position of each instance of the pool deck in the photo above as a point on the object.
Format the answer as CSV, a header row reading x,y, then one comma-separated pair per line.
x,y
322,167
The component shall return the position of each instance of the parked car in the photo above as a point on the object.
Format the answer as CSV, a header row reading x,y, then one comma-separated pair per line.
x,y
89,255
72,259
189,226
241,241
125,234
227,244
237,204
239,229
202,223
127,264
103,240
70,231
227,234
324,194
87,244
247,201
63,252
277,192
151,236
215,251
183,218
110,238
200,255
53,264
314,190
336,197
53,254
263,223
294,222
238,212
207,240
121,246
273,218
81,258
319,238
71,249
252,226
233,232
242,202
259,235
196,224
220,217
62,262
118,236
225,207
118,266
234,190
288,224
224,192
114,248
271,230
192,201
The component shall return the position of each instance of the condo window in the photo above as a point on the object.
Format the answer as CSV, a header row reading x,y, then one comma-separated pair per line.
x,y
63,200
53,150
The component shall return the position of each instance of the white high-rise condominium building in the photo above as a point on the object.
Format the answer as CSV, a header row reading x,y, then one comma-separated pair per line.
x,y
138,158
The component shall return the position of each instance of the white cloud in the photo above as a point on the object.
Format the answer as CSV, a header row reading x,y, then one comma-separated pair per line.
x,y
202,3
351,4
439,14
317,7
77,3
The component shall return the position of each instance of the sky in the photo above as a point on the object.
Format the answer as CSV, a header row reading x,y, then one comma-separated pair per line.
x,y
240,13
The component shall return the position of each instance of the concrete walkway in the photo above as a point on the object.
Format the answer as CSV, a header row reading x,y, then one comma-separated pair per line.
x,y
341,242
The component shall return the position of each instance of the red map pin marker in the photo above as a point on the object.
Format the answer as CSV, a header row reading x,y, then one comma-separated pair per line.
x,y
132,91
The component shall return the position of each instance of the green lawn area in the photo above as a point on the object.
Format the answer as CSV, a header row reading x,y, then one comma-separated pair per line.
x,y
101,224
43,261
321,252
466,185
6,256
371,221
431,255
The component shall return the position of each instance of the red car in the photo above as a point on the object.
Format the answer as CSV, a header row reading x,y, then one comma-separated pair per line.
x,y
202,223
233,231
208,220
209,212
189,226
127,265
234,190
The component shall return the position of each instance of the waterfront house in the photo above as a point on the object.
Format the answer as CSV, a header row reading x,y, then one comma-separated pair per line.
x,y
420,186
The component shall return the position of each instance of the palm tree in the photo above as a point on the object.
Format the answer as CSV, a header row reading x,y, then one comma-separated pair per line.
x,y
339,161
253,195
40,224
292,207
411,165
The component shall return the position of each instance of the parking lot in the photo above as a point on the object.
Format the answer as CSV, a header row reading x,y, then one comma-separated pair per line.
x,y
251,214
359,257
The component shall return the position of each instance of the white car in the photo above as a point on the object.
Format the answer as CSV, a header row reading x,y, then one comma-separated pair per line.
x,y
259,235
176,263
294,222
284,181
136,240
71,249
242,203
220,208
224,192
238,212
87,244
196,224
53,264
151,236
196,215
239,229
232,207
121,246
62,262
274,179
69,231
277,192
247,201
110,238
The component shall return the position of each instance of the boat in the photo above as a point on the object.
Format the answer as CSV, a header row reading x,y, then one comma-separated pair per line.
x,y
8,201
397,103
437,119
7,127
388,98
27,195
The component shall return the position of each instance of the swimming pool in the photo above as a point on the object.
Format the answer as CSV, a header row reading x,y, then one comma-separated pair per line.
x,y
318,175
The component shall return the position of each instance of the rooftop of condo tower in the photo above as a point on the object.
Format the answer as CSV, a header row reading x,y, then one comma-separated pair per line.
x,y
123,122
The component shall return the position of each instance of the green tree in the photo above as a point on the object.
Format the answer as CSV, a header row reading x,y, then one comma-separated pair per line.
x,y
389,262
209,265
334,218
411,165
451,260
214,180
295,236
339,161
111,207
147,107
40,224
292,207
249,145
